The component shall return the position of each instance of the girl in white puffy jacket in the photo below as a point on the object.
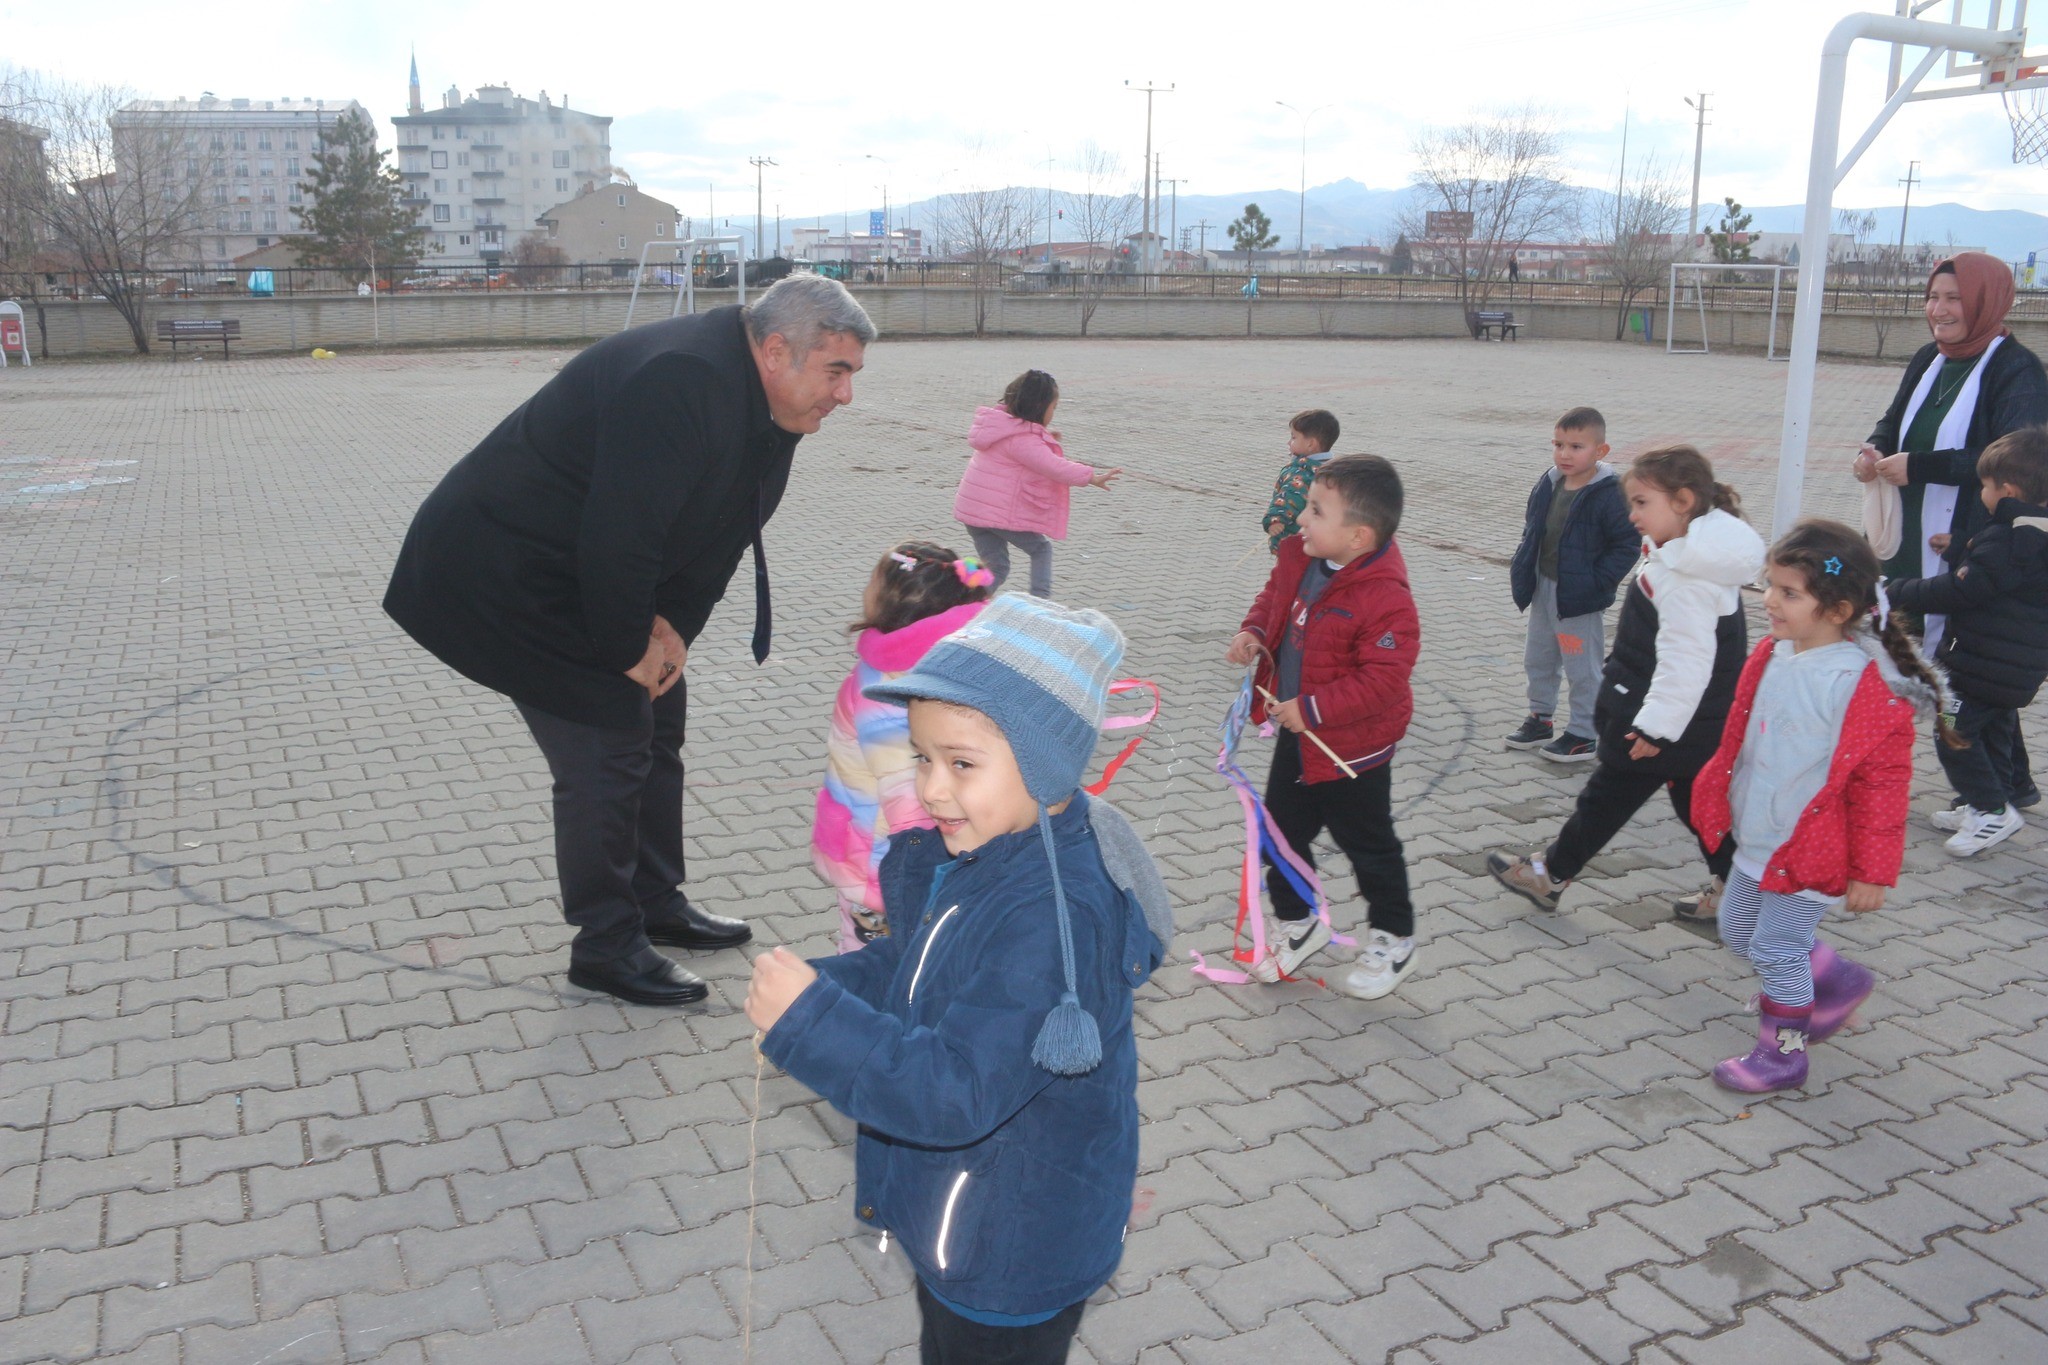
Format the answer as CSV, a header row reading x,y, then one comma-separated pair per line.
x,y
1670,678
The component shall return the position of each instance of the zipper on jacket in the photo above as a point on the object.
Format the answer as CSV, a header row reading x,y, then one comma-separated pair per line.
x,y
946,1219
926,952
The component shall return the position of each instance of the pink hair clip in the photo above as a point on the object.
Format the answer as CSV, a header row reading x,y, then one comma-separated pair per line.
x,y
972,574
904,561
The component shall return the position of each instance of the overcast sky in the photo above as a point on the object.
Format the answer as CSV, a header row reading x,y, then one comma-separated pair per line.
x,y
966,96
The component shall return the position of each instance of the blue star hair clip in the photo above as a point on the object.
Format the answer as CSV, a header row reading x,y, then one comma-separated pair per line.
x,y
1833,564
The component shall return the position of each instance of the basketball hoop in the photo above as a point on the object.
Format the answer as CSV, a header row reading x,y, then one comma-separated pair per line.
x,y
2027,106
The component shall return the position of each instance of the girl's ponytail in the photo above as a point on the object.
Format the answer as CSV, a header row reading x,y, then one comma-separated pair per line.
x,y
1906,656
1682,469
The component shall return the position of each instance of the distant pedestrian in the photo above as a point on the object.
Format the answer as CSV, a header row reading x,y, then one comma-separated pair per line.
x,y
571,559
1810,786
1014,491
1514,271
918,594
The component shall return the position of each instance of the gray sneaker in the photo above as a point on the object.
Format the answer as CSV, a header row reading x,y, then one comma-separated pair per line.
x,y
1521,876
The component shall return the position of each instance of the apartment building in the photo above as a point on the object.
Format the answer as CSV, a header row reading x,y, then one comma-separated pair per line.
x,y
245,157
482,168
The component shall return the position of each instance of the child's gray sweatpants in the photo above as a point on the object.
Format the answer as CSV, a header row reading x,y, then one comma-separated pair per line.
x,y
1575,646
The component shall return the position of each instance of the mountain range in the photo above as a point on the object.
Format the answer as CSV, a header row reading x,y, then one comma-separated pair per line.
x,y
1347,213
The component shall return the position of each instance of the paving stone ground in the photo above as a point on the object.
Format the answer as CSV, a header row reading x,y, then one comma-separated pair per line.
x,y
290,1072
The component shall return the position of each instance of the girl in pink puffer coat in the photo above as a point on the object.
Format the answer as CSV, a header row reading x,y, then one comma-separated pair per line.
x,y
1015,489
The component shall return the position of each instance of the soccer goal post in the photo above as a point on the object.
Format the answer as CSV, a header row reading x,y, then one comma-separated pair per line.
x,y
1689,273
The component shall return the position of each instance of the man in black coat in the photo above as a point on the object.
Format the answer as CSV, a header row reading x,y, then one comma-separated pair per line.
x,y
572,557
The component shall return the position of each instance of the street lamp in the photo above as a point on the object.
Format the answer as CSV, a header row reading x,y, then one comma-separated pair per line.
x,y
887,166
1301,209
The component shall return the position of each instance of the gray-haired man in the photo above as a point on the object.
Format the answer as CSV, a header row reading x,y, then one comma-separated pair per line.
x,y
570,559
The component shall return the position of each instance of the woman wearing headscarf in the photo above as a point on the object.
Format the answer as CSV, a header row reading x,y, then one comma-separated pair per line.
x,y
1963,390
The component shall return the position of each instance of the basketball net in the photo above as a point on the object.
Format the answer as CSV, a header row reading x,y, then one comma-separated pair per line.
x,y
2028,109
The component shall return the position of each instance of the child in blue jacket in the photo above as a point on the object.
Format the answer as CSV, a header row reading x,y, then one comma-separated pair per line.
x,y
985,1046
1577,546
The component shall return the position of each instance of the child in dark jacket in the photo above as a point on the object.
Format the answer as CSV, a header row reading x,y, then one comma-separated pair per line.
x,y
1678,649
985,1045
1811,781
1577,546
1995,646
1336,636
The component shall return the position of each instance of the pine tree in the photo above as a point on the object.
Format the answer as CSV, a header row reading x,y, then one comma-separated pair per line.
x,y
1733,221
1403,256
1253,232
354,216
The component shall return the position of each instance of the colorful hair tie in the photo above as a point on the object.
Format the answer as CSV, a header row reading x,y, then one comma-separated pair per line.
x,y
1833,564
972,574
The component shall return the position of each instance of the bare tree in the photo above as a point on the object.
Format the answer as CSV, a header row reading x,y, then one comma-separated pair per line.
x,y
984,226
1875,269
1508,173
1645,240
1103,215
539,259
121,197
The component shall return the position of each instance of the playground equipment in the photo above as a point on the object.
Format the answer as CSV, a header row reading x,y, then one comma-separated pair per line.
x,y
1983,49
686,286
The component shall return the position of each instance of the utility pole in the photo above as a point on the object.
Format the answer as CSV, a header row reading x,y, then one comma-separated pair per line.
x,y
1909,182
1621,176
1149,91
1699,142
1204,226
1301,204
1174,191
1048,210
757,162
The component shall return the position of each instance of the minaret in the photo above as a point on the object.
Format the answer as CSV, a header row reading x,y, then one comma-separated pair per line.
x,y
412,100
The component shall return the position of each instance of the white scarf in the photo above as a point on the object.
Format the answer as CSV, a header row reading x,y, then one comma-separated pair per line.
x,y
1938,500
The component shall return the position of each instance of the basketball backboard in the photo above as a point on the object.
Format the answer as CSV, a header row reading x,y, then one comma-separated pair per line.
x,y
2021,63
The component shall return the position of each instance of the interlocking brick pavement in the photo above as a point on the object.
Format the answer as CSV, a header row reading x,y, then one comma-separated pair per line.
x,y
291,1073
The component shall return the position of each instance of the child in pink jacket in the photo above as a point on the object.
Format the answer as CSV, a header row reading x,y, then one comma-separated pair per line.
x,y
919,594
1015,489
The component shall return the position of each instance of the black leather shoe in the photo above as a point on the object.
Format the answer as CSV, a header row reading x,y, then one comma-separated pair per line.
x,y
666,984
689,927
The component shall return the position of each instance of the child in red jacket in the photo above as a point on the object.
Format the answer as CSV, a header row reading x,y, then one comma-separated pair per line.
x,y
1811,779
1336,637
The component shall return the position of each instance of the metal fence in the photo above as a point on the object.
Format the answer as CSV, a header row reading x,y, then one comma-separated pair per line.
x,y
1726,293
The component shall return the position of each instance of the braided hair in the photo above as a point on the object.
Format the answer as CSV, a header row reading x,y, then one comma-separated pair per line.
x,y
1840,568
916,579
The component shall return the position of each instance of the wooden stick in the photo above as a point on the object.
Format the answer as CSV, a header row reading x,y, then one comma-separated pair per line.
x,y
1312,737
1243,557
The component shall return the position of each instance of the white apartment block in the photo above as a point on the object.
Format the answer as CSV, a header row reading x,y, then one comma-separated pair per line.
x,y
248,158
481,170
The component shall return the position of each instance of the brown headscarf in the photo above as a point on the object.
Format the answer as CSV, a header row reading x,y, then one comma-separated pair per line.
x,y
1986,285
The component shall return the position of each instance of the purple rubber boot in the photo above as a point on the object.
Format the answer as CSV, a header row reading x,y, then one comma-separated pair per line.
x,y
1839,986
1778,1061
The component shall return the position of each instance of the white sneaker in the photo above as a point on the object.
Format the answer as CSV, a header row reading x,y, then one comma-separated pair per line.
x,y
1980,831
1289,943
1380,967
1949,819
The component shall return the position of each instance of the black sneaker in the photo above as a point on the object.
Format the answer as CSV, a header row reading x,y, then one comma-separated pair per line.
x,y
1534,734
1570,748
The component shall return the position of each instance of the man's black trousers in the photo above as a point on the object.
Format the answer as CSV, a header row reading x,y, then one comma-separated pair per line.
x,y
618,824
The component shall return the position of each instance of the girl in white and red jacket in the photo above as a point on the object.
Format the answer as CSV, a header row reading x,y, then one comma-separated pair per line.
x,y
1670,677
1811,781
1014,492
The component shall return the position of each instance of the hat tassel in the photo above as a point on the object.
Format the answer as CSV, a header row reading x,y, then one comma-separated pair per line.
x,y
1070,1041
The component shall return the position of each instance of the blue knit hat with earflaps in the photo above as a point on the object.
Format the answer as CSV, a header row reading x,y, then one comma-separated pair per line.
x,y
1041,672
